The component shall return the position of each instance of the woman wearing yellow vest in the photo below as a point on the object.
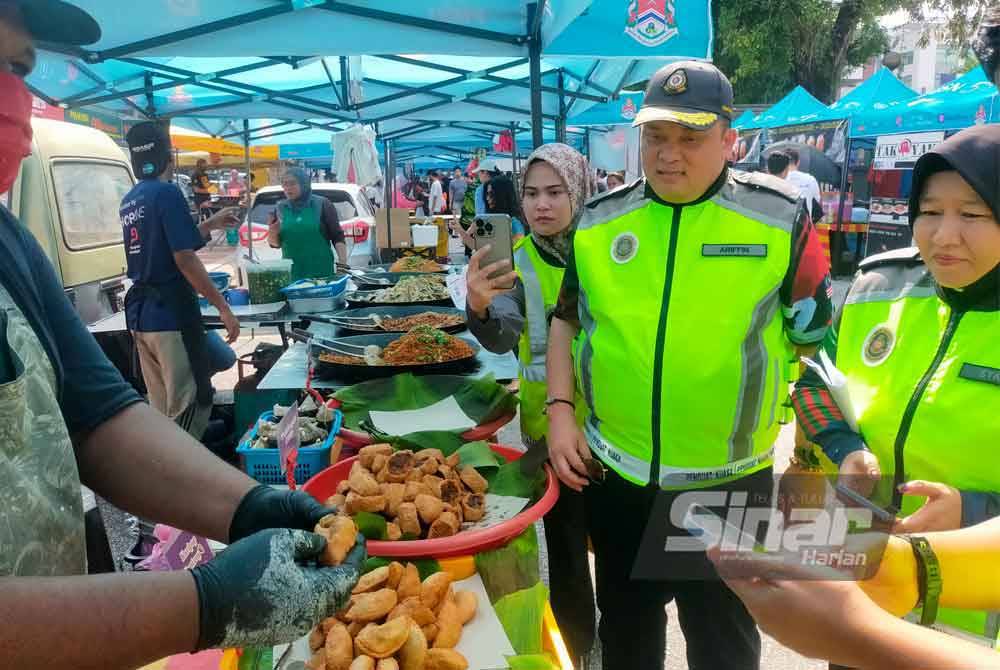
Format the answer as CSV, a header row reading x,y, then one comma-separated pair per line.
x,y
917,341
553,189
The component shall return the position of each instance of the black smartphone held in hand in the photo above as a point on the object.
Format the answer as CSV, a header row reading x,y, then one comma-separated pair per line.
x,y
495,230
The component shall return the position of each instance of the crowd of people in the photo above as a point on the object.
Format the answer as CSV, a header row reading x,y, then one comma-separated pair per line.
x,y
656,324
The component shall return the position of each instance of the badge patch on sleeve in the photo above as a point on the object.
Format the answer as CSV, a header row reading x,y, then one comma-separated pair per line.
x,y
737,250
624,247
980,373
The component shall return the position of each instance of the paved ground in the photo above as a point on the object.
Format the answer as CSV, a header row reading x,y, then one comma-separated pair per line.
x,y
774,656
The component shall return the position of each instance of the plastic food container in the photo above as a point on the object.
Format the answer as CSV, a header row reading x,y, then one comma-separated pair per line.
x,y
220,279
264,465
267,278
304,296
324,485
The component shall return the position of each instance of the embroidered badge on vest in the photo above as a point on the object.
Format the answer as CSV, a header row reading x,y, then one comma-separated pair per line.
x,y
878,345
624,247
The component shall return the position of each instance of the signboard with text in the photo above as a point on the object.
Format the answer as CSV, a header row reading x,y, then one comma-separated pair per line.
x,y
900,152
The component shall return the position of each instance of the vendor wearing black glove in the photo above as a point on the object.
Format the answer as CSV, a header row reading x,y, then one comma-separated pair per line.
x,y
266,589
264,507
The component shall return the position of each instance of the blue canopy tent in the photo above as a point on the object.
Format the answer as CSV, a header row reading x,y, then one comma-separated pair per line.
x,y
203,61
746,121
796,108
968,100
880,91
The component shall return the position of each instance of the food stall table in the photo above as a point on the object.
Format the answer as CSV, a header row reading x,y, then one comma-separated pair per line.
x,y
292,369
275,315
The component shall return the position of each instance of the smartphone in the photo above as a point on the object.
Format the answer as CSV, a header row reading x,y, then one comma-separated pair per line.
x,y
495,230
709,528
855,498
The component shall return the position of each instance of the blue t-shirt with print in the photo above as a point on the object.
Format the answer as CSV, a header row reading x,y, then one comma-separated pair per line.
x,y
156,223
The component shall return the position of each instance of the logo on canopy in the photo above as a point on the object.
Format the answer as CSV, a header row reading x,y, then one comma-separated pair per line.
x,y
651,22
628,109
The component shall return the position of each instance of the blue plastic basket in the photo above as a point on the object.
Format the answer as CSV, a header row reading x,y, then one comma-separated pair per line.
x,y
264,465
294,291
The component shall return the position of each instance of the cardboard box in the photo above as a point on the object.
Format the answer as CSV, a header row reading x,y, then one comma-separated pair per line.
x,y
400,219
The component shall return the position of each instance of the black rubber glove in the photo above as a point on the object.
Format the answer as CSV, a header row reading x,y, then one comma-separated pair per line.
x,y
264,507
267,590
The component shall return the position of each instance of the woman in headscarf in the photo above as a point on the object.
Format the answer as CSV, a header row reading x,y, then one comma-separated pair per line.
x,y
304,226
554,187
917,341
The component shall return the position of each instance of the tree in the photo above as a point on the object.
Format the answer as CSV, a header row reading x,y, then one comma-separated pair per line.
x,y
769,46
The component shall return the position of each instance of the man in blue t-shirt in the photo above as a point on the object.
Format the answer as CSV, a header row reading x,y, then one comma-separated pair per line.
x,y
161,309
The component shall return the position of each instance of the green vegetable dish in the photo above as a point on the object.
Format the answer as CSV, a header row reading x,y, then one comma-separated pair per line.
x,y
266,285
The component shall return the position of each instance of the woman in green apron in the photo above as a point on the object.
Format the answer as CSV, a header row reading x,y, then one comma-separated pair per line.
x,y
304,226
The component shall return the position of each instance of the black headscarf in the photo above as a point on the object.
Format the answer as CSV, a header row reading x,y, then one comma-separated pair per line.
x,y
975,154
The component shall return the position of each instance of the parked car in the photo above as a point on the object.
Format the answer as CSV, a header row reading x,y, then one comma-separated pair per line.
x,y
355,212
68,194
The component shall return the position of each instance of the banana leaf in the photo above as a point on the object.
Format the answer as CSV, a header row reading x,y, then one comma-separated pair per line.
x,y
480,456
372,526
254,658
511,568
510,480
483,400
447,442
521,614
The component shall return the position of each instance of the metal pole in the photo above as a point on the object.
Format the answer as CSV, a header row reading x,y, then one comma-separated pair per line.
x,y
390,166
246,155
561,122
535,67
513,154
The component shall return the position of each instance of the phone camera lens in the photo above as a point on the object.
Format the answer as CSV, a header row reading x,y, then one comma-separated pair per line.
x,y
489,227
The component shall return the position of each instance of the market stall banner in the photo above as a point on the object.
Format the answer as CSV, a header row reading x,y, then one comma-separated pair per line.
x,y
901,151
43,110
107,123
888,226
830,137
638,29
746,151
216,146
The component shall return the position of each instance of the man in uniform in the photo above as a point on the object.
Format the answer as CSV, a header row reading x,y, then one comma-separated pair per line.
x,y
67,416
688,293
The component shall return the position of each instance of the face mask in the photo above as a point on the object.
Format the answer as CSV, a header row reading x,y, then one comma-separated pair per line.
x,y
15,127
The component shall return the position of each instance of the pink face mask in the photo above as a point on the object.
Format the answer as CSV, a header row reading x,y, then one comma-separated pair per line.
x,y
15,127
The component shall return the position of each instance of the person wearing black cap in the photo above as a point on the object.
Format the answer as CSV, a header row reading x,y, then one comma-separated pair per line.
x,y
685,381
67,416
162,308
917,340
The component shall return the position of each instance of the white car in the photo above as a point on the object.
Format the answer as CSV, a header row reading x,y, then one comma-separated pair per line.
x,y
355,212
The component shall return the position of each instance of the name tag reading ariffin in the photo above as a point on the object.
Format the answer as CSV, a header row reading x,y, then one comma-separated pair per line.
x,y
727,250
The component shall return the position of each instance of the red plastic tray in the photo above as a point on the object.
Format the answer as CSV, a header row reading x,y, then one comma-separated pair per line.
x,y
486,431
324,484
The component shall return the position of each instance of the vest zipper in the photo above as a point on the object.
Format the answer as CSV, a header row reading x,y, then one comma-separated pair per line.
x,y
661,335
911,407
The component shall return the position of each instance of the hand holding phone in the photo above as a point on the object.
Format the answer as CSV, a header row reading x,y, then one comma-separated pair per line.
x,y
485,281
493,235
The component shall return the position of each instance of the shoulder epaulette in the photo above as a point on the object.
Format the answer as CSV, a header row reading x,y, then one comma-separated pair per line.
x,y
767,182
907,256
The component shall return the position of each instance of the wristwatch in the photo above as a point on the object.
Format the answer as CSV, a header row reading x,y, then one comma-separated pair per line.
x,y
928,578
549,402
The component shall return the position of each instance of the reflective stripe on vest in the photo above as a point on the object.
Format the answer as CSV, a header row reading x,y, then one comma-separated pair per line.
x,y
895,337
535,316
636,470
721,352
